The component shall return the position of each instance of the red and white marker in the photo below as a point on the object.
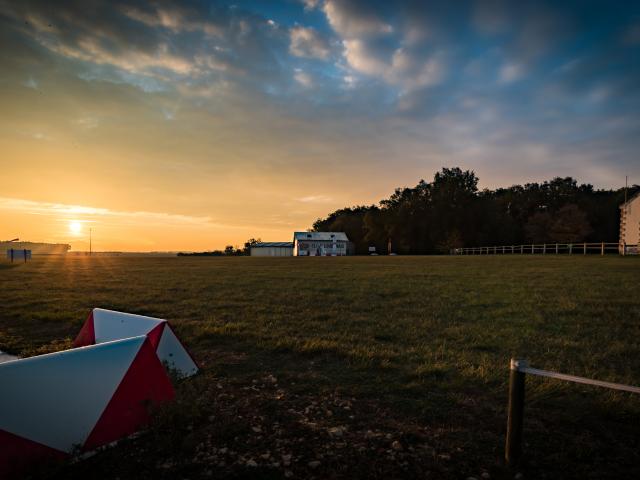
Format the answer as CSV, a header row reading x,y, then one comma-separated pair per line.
x,y
107,325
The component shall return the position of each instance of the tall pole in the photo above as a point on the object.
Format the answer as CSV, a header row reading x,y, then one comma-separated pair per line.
x,y
626,186
89,241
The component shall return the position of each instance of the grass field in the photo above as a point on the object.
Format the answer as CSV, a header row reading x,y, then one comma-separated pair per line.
x,y
383,366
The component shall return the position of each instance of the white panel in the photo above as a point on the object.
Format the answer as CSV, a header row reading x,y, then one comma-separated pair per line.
x,y
110,325
171,351
56,399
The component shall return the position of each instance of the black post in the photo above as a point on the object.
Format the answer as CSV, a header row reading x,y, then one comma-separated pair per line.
x,y
12,255
25,255
513,446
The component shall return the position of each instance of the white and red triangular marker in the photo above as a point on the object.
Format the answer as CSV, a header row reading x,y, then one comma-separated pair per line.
x,y
91,395
77,399
106,325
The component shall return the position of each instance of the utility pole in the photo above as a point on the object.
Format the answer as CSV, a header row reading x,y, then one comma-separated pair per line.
x,y
626,187
89,241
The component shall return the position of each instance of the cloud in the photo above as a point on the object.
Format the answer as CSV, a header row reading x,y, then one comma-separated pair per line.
x,y
31,83
62,210
311,4
315,199
155,46
354,18
306,42
174,18
88,123
403,68
511,72
303,78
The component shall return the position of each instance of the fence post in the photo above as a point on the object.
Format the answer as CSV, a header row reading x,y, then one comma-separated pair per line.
x,y
584,252
12,255
570,248
602,249
544,249
515,415
521,248
556,248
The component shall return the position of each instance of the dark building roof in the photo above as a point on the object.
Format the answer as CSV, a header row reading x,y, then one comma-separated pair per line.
x,y
272,244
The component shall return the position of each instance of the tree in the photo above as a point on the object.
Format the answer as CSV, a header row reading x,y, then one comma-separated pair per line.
x,y
538,227
570,225
450,211
248,244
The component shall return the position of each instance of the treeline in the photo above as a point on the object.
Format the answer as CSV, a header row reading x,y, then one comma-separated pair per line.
x,y
450,212
229,251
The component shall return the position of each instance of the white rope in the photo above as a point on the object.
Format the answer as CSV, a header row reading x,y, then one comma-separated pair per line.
x,y
573,378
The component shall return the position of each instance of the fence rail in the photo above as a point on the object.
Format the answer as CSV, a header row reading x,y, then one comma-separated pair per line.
x,y
550,248
515,415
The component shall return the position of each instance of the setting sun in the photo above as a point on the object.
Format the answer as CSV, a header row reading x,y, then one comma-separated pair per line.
x,y
75,227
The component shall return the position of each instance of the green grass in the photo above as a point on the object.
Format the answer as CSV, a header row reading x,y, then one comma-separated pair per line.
x,y
429,338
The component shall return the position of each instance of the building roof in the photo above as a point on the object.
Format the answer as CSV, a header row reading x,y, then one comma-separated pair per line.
x,y
631,199
326,236
272,244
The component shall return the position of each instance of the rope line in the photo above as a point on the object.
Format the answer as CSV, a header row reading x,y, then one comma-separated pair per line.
x,y
575,379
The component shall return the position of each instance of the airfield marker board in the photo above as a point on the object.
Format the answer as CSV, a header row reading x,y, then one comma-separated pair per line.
x,y
106,325
80,398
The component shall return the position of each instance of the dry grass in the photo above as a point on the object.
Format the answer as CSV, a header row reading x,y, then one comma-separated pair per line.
x,y
429,338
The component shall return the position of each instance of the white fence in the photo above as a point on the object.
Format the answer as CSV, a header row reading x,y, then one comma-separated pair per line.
x,y
550,248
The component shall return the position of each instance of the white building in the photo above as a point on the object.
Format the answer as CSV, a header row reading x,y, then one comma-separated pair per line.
x,y
333,244
272,249
630,225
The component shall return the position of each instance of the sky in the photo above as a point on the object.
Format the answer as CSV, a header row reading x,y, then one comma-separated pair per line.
x,y
193,125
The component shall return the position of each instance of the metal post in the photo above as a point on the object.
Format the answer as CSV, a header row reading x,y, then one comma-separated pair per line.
x,y
515,416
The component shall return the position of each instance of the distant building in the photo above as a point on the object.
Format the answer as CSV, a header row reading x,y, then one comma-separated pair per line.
x,y
36,247
272,249
334,244
630,225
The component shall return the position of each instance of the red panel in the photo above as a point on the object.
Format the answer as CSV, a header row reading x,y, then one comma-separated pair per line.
x,y
18,453
146,383
87,335
155,334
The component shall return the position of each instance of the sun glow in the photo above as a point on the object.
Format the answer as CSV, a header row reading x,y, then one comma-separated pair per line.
x,y
75,227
